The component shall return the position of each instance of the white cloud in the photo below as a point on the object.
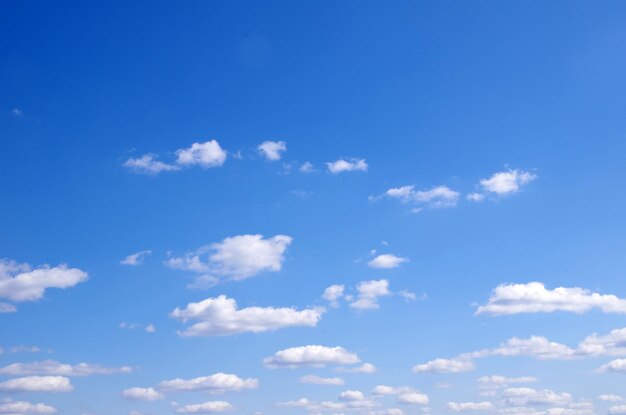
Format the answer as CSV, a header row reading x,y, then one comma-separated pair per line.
x,y
386,261
475,197
506,182
351,395
612,344
342,165
272,150
530,397
317,380
497,382
405,394
610,398
436,197
470,406
54,368
407,295
312,355
136,258
333,293
205,408
37,384
617,410
413,398
445,366
307,167
142,394
535,298
7,308
614,366
148,164
19,282
366,368
207,154
220,317
216,384
22,407
236,257
368,294
150,328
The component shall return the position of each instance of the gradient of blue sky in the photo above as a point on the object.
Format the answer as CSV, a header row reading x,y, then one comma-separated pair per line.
x,y
429,94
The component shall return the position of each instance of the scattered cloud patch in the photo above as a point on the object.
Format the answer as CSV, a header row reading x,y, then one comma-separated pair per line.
x,y
345,165
217,383
37,384
312,355
148,164
272,150
445,366
136,258
470,406
23,407
54,368
205,408
535,298
317,380
207,154
142,394
386,261
502,183
368,294
220,316
436,197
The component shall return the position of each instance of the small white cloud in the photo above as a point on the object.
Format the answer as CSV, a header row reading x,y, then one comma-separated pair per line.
x,y
610,398
617,410
535,298
470,406
333,294
220,316
37,384
272,150
237,258
54,368
136,258
312,355
445,366
368,294
150,328
343,165
317,380
205,408
385,261
207,154
614,366
436,197
530,397
148,164
475,197
307,167
19,282
366,368
407,295
217,383
507,182
23,408
142,394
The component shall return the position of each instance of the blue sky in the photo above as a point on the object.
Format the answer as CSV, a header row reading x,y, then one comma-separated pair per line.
x,y
356,207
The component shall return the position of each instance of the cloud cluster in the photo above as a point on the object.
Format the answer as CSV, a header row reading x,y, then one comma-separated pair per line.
x,y
312,355
220,316
346,165
206,154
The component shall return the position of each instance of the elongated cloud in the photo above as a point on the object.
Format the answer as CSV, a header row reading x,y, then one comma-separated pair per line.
x,y
313,355
237,257
614,366
344,165
136,258
142,394
54,368
385,261
470,406
207,154
436,197
205,408
317,380
220,317
217,383
272,150
502,183
23,407
445,366
37,384
535,298
19,282
148,164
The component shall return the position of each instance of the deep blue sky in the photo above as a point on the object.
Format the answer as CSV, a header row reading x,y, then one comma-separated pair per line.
x,y
428,94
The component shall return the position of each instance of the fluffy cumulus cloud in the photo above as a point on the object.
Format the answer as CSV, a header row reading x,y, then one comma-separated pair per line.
x,y
368,293
37,384
237,257
148,164
534,297
609,398
614,366
220,316
142,394
205,408
404,394
470,406
20,282
317,380
343,165
502,183
385,261
445,366
312,355
530,397
207,154
217,383
136,258
272,150
333,294
54,368
436,197
23,407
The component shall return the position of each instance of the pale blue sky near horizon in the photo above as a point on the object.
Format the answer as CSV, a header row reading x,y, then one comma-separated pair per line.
x,y
520,104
